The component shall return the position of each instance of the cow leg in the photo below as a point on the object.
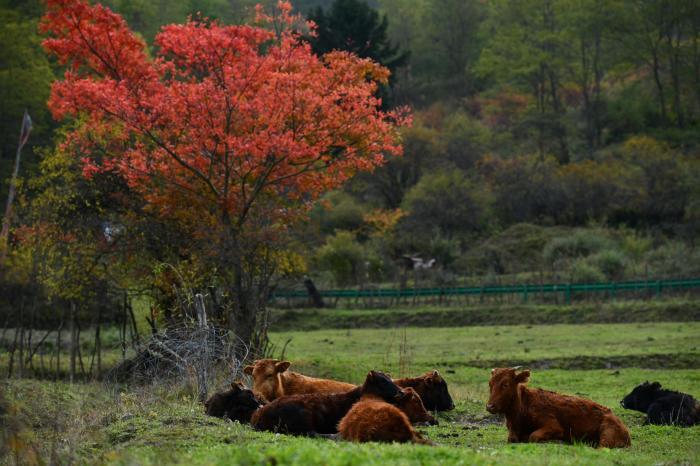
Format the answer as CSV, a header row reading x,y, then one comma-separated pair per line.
x,y
613,433
550,431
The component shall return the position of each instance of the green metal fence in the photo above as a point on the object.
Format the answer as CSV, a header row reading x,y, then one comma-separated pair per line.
x,y
653,287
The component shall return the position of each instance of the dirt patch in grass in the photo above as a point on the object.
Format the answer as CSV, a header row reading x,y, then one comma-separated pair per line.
x,y
472,421
642,361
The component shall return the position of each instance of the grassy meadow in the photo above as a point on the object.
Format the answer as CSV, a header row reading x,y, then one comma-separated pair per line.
x,y
92,423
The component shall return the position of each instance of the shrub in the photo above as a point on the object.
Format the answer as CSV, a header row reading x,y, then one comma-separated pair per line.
x,y
341,212
581,243
344,257
673,259
610,262
582,271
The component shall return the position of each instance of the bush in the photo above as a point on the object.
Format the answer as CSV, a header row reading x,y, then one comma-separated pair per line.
x,y
344,257
580,244
583,271
610,262
448,202
673,260
515,249
342,212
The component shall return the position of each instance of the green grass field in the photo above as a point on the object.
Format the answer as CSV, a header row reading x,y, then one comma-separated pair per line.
x,y
163,424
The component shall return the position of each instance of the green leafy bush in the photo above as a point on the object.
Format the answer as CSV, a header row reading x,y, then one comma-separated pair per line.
x,y
610,262
581,243
343,257
582,271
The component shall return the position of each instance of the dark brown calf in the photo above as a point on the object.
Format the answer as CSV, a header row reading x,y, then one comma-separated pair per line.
x,y
535,415
272,380
373,420
432,389
319,413
237,404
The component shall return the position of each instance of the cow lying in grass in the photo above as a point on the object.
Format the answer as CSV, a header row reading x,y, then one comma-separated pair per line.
x,y
664,407
319,413
373,420
412,405
237,404
432,389
272,380
536,415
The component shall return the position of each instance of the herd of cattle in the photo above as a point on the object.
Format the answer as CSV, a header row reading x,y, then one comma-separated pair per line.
x,y
386,410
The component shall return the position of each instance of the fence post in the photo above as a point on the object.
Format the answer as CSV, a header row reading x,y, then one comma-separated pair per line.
x,y
524,294
568,293
202,375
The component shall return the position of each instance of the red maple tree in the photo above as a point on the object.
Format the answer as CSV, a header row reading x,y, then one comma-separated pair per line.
x,y
235,130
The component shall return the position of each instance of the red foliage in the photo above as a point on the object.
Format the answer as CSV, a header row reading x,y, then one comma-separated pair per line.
x,y
223,115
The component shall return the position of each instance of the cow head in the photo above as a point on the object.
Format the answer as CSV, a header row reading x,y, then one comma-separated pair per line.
x,y
641,397
237,404
412,405
434,392
504,389
379,384
267,377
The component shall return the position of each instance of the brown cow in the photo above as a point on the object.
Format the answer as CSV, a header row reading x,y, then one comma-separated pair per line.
x,y
412,405
237,404
319,413
432,389
373,420
536,415
272,380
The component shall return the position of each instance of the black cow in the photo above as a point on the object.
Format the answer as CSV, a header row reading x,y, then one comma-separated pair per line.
x,y
663,407
237,404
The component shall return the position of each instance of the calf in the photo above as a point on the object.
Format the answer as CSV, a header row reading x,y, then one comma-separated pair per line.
x,y
412,405
272,380
535,415
663,407
319,413
373,420
237,404
432,389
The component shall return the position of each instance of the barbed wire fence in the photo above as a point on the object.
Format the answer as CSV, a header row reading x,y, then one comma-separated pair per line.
x,y
193,349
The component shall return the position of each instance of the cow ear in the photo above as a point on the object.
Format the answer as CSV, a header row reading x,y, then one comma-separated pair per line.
x,y
656,386
282,366
238,386
522,377
248,370
493,371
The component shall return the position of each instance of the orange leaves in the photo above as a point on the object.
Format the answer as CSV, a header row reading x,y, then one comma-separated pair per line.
x,y
227,114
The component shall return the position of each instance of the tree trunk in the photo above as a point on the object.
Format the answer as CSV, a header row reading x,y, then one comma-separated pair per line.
x,y
597,101
20,361
314,294
73,342
659,85
58,346
674,68
244,313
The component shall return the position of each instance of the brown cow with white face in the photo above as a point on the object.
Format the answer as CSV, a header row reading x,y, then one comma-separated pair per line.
x,y
536,415
272,379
